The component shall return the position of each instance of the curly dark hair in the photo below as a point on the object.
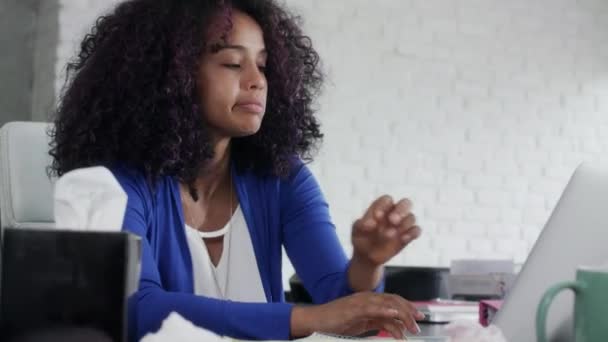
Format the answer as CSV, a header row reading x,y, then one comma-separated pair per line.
x,y
131,95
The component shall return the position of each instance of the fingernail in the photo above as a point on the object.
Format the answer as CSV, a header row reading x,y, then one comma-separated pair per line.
x,y
379,214
417,328
406,238
391,233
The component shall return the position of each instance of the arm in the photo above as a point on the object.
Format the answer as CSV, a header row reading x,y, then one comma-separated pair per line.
x,y
312,245
151,304
364,275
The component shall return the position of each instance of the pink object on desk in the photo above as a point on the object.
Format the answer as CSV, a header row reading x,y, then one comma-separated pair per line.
x,y
487,311
383,333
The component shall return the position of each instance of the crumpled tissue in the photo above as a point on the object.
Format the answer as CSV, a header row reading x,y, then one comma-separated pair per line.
x,y
470,331
177,328
89,199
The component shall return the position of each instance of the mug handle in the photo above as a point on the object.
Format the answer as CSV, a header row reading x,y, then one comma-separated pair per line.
x,y
543,306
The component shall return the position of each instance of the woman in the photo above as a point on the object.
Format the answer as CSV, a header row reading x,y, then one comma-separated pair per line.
x,y
202,109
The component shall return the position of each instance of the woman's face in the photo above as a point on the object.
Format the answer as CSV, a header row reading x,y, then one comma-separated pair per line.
x,y
232,82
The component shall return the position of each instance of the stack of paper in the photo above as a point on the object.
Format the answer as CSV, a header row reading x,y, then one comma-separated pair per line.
x,y
445,311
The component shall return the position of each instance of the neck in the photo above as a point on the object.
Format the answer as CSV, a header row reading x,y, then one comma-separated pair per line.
x,y
216,171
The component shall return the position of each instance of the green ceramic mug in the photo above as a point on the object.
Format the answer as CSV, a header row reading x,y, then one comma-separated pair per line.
x,y
590,308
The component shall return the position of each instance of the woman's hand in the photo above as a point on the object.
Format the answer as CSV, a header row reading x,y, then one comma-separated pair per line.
x,y
356,314
384,230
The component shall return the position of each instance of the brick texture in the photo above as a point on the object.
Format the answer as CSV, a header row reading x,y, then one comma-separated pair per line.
x,y
477,110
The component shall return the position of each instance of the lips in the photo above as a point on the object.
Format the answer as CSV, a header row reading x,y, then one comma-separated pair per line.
x,y
250,106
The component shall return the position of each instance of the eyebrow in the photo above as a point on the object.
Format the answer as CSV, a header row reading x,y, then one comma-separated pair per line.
x,y
238,47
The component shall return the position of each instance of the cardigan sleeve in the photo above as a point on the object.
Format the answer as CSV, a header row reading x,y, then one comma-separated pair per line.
x,y
310,238
151,304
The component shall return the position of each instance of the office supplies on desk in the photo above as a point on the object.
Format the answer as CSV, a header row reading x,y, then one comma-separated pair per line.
x,y
481,266
488,310
480,279
446,311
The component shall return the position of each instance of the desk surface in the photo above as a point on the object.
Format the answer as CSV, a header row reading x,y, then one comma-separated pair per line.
x,y
430,329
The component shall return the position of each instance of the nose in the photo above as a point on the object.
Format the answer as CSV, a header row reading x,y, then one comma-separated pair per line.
x,y
255,79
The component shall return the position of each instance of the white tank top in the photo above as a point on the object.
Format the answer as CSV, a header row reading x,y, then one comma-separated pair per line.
x,y
236,276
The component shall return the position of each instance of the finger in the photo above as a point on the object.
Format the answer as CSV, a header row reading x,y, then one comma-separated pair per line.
x,y
417,327
365,224
393,328
393,307
377,311
400,211
410,234
407,312
390,232
373,306
407,305
407,222
401,327
380,207
410,324
404,227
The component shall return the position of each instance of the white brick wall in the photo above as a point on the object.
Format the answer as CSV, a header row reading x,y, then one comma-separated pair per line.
x,y
479,110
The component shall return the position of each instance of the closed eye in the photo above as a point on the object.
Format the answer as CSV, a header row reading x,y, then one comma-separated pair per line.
x,y
232,66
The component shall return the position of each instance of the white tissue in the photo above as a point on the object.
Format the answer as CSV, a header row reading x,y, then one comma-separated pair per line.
x,y
89,199
177,328
469,331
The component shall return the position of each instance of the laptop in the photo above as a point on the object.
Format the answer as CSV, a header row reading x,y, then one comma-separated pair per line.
x,y
575,234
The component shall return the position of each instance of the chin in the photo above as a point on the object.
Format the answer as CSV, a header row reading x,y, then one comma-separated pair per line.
x,y
250,126
241,132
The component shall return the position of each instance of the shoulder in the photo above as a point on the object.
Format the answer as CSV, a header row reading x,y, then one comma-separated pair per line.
x,y
297,170
144,198
300,181
299,174
139,188
132,180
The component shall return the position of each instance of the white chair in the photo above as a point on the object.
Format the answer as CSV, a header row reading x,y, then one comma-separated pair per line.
x,y
26,192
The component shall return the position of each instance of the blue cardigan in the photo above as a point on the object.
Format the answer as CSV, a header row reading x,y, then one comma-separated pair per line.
x,y
289,212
